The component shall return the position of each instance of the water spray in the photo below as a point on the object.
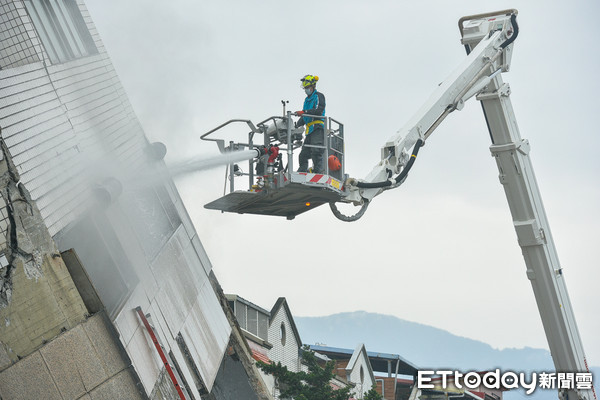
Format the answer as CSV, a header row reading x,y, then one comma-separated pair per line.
x,y
201,163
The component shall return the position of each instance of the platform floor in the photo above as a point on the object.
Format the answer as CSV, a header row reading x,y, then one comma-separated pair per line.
x,y
288,201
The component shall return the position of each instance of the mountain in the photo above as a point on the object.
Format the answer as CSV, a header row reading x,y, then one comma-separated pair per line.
x,y
425,346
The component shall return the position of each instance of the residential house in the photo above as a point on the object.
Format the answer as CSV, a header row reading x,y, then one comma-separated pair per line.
x,y
394,375
274,337
271,335
352,366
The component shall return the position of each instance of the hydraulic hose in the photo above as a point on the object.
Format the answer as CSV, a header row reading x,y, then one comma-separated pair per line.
x,y
513,21
350,218
401,176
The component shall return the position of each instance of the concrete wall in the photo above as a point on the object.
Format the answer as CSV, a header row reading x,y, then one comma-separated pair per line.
x,y
38,298
87,362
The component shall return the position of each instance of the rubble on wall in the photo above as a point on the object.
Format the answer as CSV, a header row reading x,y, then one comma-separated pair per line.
x,y
19,248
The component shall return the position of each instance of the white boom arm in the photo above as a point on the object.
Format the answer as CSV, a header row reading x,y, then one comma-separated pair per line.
x,y
483,64
490,37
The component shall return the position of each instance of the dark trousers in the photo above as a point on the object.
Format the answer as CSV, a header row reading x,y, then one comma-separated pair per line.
x,y
315,138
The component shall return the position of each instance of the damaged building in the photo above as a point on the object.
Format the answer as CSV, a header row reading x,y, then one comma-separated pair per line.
x,y
105,289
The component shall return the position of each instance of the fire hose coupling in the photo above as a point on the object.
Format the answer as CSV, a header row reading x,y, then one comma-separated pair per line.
x,y
271,151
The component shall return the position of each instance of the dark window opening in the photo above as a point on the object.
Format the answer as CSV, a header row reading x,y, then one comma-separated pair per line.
x,y
103,259
282,334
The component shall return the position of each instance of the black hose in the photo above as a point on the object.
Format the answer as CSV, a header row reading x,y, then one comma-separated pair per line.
x,y
401,176
350,218
513,21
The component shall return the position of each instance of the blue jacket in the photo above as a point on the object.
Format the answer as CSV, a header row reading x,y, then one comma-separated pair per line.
x,y
315,105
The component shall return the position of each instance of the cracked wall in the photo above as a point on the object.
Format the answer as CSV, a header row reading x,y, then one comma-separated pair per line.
x,y
38,299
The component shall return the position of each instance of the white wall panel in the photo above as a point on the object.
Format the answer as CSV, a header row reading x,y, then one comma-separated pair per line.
x,y
206,332
286,353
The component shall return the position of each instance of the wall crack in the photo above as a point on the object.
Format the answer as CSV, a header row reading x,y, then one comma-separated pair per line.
x,y
20,249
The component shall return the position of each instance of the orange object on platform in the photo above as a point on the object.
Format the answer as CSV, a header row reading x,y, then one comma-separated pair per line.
x,y
334,163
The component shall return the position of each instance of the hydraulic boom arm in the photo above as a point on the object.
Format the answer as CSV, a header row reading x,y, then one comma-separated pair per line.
x,y
483,64
489,40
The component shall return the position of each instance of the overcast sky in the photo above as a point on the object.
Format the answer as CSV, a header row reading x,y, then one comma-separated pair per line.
x,y
440,250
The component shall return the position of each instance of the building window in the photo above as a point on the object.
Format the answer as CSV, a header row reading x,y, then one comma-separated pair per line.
x,y
282,334
61,29
240,314
263,326
251,320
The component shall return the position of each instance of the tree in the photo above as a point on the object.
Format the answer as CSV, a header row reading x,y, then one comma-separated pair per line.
x,y
311,385
373,395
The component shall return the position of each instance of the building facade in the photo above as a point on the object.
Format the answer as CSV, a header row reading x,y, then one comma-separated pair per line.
x,y
92,228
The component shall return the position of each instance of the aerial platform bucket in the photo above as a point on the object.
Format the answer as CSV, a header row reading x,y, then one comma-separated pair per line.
x,y
281,191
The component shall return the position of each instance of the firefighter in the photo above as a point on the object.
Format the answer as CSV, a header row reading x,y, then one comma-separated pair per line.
x,y
314,104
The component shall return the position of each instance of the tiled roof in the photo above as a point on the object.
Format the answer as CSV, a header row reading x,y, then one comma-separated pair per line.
x,y
259,353
258,356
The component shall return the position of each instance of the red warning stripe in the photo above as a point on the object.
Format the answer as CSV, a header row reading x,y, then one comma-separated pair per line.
x,y
316,178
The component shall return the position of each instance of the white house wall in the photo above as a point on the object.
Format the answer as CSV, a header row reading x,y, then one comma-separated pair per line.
x,y
286,354
361,388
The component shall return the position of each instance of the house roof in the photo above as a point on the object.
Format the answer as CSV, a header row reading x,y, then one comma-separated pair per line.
x,y
282,302
360,349
235,297
379,361
259,353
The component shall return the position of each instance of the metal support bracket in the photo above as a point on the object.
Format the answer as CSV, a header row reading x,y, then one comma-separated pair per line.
x,y
522,147
503,91
529,233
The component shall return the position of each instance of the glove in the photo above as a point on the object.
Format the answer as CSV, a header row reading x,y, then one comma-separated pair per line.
x,y
299,113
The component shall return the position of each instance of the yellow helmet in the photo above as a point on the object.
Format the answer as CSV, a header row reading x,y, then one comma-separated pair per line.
x,y
309,80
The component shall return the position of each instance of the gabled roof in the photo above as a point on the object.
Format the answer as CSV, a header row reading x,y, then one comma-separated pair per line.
x,y
282,302
379,361
360,350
